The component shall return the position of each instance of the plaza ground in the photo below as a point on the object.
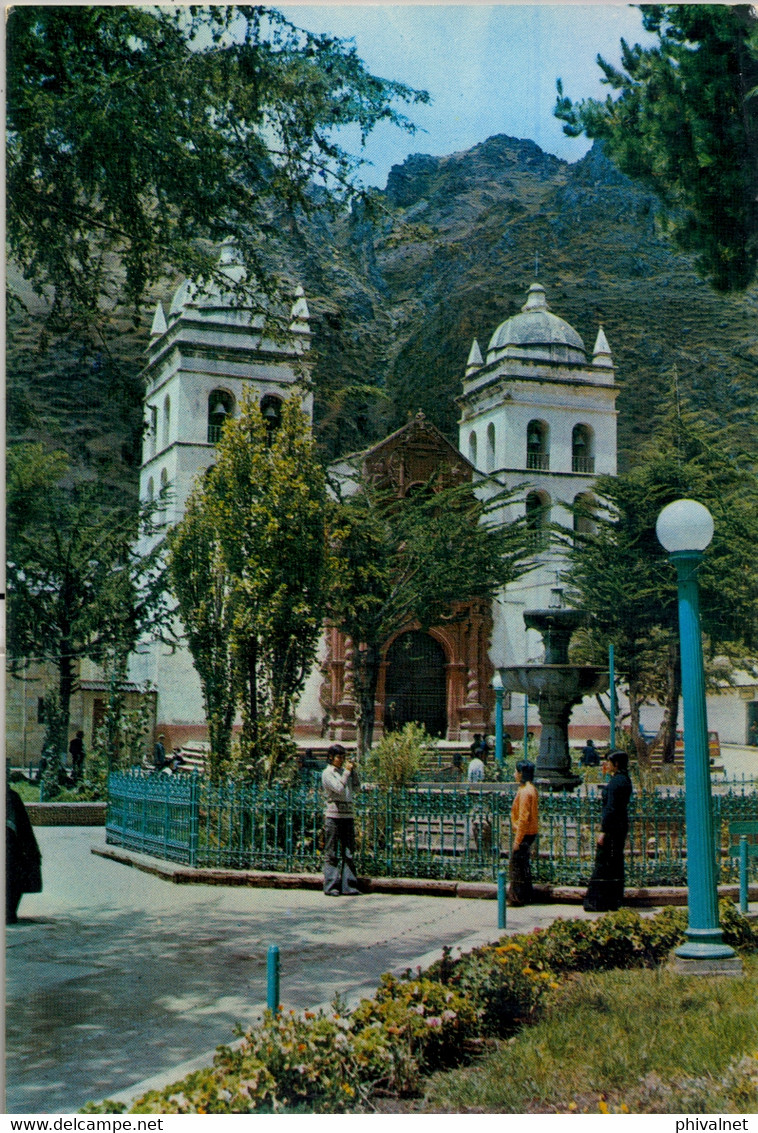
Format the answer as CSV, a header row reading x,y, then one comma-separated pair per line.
x,y
115,976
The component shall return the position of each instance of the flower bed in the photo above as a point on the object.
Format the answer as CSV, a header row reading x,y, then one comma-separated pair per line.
x,y
341,1062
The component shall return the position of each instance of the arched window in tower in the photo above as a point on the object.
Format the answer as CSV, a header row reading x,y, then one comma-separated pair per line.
x,y
150,490
490,461
472,448
220,406
163,499
151,428
582,449
537,446
271,412
584,510
166,421
537,519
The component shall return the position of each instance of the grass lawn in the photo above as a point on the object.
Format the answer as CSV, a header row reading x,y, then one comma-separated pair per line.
x,y
29,792
623,1041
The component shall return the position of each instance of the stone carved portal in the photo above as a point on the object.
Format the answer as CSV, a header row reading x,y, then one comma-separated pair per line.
x,y
440,677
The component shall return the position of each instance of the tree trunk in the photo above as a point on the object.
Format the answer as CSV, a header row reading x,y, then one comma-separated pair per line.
x,y
366,678
641,747
671,705
65,690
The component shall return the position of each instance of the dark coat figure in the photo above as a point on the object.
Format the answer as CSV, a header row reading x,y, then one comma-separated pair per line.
x,y
76,751
590,754
159,753
22,857
606,888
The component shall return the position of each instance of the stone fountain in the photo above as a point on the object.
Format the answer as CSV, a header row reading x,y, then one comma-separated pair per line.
x,y
555,687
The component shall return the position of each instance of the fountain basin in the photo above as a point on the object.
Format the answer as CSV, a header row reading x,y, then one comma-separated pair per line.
x,y
566,681
555,689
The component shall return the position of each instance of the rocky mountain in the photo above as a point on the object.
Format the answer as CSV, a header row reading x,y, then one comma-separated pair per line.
x,y
399,289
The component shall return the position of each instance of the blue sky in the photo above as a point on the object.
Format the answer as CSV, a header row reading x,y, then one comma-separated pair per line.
x,y
490,69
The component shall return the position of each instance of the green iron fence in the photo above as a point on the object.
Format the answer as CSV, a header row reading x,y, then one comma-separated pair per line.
x,y
425,831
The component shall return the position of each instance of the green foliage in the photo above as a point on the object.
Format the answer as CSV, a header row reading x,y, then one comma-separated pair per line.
x,y
79,583
54,746
622,576
507,984
203,590
685,123
425,1023
248,566
416,559
621,1041
121,741
399,756
147,132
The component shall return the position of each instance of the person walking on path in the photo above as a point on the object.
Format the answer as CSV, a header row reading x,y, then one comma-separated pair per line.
x,y
22,857
606,888
76,751
339,784
159,753
525,825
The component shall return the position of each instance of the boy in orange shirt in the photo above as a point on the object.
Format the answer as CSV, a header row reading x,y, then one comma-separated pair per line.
x,y
524,823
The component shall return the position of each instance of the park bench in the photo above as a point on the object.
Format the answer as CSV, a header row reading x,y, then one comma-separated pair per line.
x,y
448,834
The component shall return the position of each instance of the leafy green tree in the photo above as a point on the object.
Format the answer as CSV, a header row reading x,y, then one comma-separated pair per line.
x,y
397,561
684,121
621,574
137,134
253,594
204,592
78,584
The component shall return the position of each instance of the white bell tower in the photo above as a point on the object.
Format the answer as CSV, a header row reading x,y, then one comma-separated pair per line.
x,y
203,354
536,412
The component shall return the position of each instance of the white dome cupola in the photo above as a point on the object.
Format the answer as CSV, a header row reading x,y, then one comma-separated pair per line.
x,y
536,334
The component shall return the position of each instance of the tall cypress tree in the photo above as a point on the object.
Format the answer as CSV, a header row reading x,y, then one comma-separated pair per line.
x,y
684,121
620,573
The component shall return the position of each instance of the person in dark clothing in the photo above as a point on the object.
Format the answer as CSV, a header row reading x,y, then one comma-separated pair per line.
x,y
606,887
22,857
159,753
590,754
76,751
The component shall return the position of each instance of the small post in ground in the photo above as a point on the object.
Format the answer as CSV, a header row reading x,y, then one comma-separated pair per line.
x,y
272,991
743,875
501,899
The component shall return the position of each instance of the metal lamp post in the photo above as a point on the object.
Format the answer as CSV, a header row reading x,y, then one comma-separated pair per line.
x,y
497,684
685,528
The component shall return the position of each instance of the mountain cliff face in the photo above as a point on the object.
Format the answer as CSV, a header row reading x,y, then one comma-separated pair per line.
x,y
455,254
399,290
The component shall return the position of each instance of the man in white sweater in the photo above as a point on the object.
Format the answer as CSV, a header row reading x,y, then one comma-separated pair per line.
x,y
339,783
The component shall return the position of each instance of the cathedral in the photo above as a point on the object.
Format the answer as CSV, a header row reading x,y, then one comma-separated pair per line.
x,y
536,414
537,417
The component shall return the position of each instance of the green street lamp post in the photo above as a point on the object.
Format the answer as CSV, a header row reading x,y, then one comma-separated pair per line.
x,y
497,684
685,528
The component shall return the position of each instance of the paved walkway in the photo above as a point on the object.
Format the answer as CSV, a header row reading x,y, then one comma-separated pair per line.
x,y
114,975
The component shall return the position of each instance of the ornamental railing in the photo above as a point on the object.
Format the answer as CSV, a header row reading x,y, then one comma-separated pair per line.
x,y
436,831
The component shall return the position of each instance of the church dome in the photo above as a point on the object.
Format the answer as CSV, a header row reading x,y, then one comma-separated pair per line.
x,y
536,334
